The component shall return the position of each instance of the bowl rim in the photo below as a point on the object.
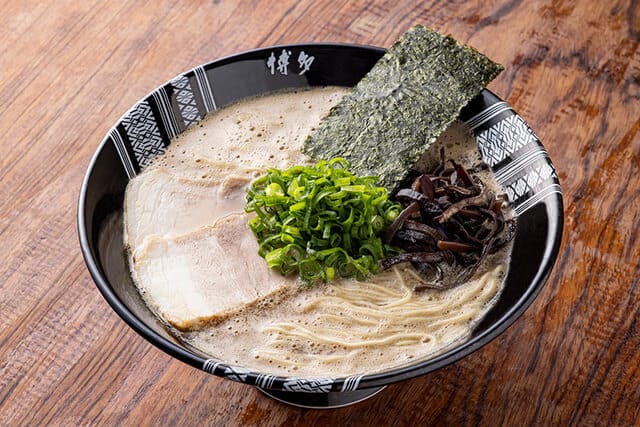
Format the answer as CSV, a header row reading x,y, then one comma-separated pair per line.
x,y
343,383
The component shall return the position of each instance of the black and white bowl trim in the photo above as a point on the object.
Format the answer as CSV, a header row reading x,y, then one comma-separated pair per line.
x,y
506,143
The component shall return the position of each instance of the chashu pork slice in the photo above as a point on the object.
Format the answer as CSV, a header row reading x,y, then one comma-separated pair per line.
x,y
166,205
204,276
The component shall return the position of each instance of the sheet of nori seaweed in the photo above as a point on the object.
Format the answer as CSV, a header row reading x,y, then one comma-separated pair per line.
x,y
402,105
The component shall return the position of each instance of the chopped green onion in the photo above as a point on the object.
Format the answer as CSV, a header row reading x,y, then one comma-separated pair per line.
x,y
320,221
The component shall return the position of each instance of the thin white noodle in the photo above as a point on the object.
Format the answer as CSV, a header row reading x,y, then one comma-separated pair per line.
x,y
354,320
301,332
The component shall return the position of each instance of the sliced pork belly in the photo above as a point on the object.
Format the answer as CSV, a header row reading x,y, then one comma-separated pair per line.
x,y
163,204
204,276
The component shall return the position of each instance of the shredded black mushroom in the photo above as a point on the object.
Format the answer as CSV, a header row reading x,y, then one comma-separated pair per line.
x,y
450,223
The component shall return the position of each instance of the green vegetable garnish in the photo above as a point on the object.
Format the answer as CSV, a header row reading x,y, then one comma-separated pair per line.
x,y
321,221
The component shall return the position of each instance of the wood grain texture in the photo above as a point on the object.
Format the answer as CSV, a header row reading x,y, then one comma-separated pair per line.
x,y
69,69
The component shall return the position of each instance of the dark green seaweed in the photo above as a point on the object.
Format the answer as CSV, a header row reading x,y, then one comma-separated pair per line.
x,y
402,105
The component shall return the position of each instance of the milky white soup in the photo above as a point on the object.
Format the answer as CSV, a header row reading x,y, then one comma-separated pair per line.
x,y
195,262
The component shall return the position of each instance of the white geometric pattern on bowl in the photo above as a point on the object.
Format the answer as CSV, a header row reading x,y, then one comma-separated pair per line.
x,y
515,154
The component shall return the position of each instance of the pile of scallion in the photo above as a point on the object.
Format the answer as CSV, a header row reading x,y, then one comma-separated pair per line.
x,y
321,221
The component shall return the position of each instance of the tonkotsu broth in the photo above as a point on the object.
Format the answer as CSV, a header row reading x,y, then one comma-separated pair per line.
x,y
342,328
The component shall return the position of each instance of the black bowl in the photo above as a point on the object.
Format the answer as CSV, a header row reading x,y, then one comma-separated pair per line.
x,y
507,145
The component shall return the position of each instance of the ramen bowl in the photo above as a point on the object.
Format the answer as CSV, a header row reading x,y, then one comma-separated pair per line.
x,y
505,141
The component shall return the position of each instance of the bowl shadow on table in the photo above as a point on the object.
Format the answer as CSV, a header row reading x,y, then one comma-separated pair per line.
x,y
431,399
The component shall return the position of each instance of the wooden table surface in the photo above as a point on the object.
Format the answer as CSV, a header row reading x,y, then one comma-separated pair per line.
x,y
69,70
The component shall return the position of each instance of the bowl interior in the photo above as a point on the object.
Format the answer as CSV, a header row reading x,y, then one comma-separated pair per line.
x,y
506,142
